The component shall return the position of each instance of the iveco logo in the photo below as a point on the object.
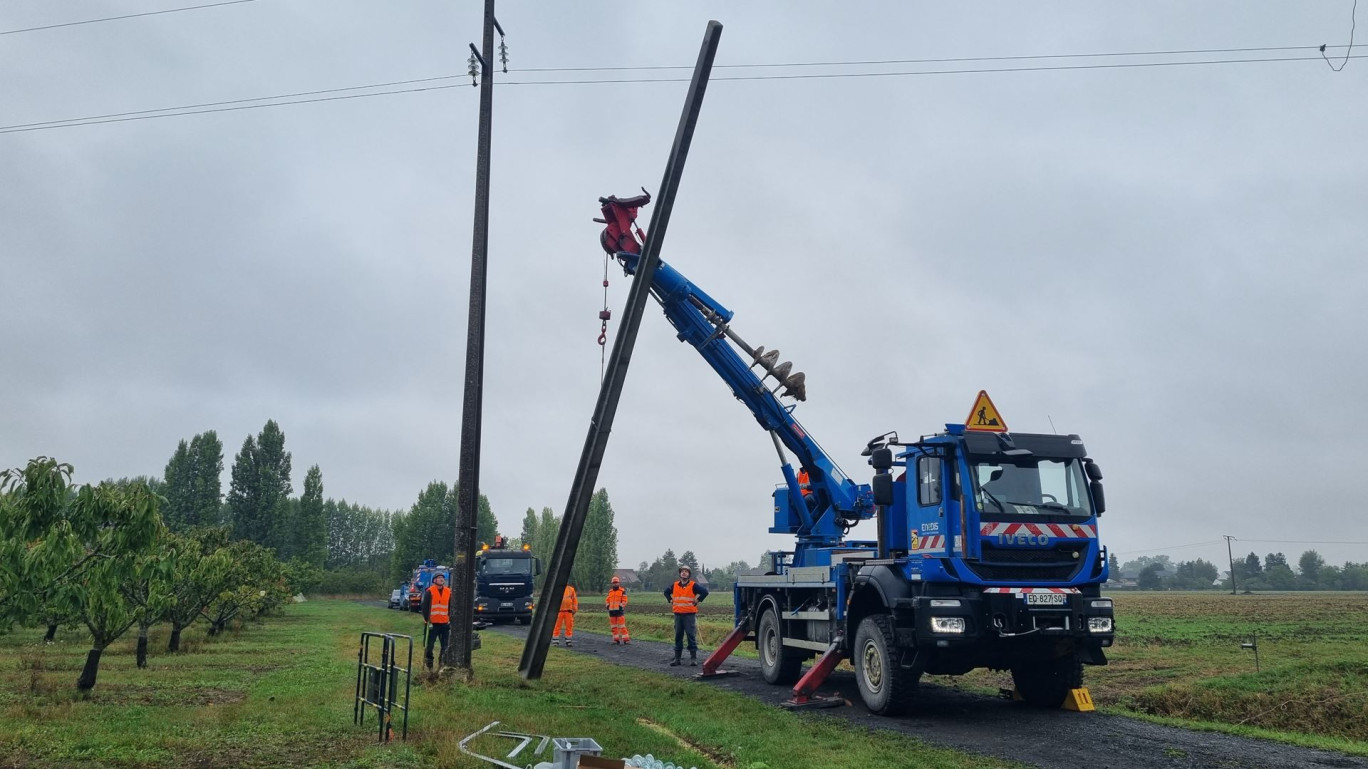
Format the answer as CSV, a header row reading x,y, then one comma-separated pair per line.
x,y
1022,539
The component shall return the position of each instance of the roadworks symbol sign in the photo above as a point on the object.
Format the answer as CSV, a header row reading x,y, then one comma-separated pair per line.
x,y
984,416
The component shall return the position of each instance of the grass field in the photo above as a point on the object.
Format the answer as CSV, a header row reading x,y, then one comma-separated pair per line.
x,y
279,694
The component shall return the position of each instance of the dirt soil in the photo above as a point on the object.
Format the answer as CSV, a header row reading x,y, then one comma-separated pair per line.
x,y
975,723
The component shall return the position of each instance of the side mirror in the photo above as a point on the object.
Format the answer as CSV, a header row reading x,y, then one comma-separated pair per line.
x,y
536,566
1099,499
1094,472
881,459
882,485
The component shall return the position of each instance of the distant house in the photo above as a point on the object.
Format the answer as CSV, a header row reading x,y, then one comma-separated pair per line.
x,y
628,577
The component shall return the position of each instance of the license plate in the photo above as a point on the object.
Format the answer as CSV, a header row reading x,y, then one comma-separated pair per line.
x,y
505,605
1046,599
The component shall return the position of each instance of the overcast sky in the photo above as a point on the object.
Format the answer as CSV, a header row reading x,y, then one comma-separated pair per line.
x,y
1166,260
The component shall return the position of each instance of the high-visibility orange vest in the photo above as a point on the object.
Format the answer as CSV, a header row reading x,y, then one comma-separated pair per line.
x,y
803,482
569,601
437,610
684,601
616,599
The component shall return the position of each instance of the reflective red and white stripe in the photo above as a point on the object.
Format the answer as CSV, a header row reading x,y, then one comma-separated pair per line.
x,y
932,544
1062,530
1025,590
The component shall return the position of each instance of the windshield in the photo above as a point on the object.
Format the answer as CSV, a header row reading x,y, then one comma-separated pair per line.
x,y
513,566
1031,486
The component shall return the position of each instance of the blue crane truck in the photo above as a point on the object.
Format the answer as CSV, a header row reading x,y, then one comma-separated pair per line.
x,y
504,581
422,580
985,551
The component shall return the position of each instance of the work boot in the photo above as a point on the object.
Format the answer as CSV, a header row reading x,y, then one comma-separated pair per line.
x,y
555,642
675,662
693,659
569,643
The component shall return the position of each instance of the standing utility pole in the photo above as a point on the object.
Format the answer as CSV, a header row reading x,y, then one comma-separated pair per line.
x,y
468,481
1228,539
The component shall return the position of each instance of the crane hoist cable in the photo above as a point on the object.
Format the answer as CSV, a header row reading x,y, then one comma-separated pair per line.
x,y
604,316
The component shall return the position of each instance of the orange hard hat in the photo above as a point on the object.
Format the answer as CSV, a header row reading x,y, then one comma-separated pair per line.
x,y
616,581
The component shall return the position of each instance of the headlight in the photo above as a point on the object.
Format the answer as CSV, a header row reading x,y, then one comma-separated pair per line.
x,y
1102,603
1099,624
935,602
947,624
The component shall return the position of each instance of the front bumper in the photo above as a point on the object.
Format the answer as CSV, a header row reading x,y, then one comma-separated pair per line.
x,y
1006,621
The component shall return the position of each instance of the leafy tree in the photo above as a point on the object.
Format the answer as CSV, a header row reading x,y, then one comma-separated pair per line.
x,y
597,555
258,494
1252,566
1354,576
1113,568
1149,577
486,525
311,524
544,544
529,527
428,529
203,568
1279,575
1273,560
253,584
53,534
193,487
723,578
1310,565
1195,575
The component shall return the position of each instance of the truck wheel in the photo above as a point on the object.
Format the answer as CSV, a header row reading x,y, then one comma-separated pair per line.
x,y
524,620
1046,684
885,686
778,664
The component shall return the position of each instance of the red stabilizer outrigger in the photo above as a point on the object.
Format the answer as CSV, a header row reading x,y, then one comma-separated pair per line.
x,y
714,661
805,691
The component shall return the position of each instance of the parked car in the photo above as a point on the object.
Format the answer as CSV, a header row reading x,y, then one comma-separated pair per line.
x,y
396,599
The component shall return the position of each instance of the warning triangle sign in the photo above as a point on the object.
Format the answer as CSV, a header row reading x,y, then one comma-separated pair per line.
x,y
984,416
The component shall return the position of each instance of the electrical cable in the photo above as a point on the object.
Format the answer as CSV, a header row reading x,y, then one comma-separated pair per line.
x,y
196,109
1353,24
126,16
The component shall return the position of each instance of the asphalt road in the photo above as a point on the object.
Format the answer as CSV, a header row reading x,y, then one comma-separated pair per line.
x,y
991,726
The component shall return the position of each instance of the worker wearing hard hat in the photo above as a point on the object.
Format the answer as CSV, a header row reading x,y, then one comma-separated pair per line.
x,y
435,607
616,601
684,597
565,620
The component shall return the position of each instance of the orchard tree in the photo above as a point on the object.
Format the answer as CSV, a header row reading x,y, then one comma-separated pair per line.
x,y
52,534
203,570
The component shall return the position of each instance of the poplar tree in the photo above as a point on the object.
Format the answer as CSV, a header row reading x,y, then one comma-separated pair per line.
x,y
259,493
311,524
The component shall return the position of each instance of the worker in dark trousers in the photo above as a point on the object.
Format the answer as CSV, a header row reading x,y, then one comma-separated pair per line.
x,y
436,612
684,597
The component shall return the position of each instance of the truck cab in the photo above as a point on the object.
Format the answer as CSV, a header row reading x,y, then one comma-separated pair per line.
x,y
504,581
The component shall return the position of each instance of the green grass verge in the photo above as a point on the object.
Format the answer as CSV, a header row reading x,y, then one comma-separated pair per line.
x,y
279,694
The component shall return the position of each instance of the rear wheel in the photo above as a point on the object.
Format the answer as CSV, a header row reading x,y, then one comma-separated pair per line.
x,y
778,664
1046,684
885,686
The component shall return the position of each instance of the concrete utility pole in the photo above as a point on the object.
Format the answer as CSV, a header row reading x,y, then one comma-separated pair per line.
x,y
468,494
1229,555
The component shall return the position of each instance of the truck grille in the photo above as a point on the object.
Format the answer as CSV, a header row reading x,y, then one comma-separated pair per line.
x,y
1054,564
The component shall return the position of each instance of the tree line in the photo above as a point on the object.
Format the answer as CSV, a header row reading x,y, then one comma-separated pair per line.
x,y
597,555
1252,573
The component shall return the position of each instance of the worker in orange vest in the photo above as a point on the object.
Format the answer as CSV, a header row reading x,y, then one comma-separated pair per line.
x,y
436,612
805,486
566,618
616,601
684,597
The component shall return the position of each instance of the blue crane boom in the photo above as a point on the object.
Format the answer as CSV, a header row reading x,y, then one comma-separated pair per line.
x,y
836,502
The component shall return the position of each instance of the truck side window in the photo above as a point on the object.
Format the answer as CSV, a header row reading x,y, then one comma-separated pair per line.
x,y
928,481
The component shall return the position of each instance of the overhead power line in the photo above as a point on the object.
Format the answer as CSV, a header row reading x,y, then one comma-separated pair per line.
x,y
950,60
290,99
125,16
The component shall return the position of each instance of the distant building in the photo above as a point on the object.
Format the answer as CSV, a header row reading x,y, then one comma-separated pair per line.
x,y
628,577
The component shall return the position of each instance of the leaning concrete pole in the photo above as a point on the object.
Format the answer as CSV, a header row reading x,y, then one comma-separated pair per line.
x,y
586,475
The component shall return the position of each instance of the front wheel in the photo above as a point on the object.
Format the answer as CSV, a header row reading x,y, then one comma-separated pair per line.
x,y
1046,684
885,686
778,664
524,620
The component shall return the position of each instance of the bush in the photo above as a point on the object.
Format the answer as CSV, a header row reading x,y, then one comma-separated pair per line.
x,y
354,582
